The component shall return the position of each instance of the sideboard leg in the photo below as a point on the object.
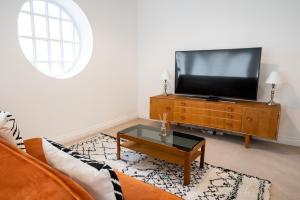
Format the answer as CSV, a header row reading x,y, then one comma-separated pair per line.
x,y
247,141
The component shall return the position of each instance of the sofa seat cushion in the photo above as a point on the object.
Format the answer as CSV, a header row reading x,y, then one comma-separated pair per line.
x,y
133,189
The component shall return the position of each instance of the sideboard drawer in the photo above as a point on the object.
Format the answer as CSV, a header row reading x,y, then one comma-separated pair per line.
x,y
215,113
233,108
182,109
233,125
218,123
184,103
209,121
206,105
182,118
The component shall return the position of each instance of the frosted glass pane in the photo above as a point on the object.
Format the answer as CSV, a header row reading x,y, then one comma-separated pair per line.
x,y
41,50
40,27
26,7
56,69
54,29
39,7
43,67
64,15
67,28
68,52
76,36
77,50
68,66
55,51
53,10
24,24
26,45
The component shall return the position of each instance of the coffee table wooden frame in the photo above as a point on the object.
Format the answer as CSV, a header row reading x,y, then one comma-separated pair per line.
x,y
164,152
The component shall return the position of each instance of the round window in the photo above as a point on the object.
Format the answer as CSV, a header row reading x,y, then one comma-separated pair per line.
x,y
55,37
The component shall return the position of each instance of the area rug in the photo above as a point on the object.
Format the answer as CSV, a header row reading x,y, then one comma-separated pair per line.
x,y
209,183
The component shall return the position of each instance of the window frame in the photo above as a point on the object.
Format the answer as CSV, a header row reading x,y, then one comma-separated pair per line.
x,y
76,50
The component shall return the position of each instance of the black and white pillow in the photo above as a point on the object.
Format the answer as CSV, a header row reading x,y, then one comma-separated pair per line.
x,y
10,131
97,178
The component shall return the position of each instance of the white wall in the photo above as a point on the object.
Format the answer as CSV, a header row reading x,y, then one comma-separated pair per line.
x,y
165,26
104,93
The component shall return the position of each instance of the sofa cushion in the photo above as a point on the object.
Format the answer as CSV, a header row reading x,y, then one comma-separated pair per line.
x,y
10,131
97,178
24,177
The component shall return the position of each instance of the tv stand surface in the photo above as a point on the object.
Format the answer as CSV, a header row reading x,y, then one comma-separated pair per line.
x,y
246,117
212,98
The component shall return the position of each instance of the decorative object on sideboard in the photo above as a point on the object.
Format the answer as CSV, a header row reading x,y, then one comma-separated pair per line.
x,y
164,122
165,77
273,79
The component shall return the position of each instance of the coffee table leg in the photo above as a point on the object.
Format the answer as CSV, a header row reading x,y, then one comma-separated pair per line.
x,y
118,147
202,156
187,169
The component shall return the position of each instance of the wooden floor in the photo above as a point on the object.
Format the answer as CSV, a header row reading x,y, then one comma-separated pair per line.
x,y
278,163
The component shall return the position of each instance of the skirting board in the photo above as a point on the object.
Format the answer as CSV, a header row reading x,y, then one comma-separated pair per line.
x,y
289,140
281,139
85,132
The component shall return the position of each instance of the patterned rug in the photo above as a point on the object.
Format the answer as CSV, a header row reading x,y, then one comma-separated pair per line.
x,y
209,183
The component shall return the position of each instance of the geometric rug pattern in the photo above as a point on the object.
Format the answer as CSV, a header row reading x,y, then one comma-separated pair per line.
x,y
209,183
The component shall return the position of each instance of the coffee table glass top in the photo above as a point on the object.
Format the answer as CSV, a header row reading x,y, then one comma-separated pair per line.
x,y
176,139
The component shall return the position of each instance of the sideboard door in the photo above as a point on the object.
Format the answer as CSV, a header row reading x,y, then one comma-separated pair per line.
x,y
262,122
159,105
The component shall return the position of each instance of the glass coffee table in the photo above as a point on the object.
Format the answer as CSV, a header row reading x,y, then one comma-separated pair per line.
x,y
177,148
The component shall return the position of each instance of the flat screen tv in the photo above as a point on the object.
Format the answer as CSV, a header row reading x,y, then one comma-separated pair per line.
x,y
223,73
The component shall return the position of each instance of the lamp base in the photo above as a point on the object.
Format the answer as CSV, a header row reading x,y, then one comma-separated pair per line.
x,y
165,88
271,103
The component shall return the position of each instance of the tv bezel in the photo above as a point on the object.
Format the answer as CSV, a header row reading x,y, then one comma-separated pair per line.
x,y
213,96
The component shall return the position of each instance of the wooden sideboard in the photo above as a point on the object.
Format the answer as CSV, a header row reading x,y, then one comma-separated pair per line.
x,y
245,117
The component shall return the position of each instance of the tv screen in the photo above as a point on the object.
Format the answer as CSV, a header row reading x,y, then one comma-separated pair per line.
x,y
224,73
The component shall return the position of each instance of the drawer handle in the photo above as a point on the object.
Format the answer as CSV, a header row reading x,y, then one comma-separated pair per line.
x,y
230,109
183,109
229,124
182,118
168,108
230,116
183,103
249,119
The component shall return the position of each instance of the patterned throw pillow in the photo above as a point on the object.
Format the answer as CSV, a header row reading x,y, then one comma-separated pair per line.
x,y
10,131
97,178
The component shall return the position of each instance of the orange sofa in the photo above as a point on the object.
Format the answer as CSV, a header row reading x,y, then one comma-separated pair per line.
x,y
28,176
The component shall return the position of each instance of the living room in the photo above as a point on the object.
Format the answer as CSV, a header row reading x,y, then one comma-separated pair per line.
x,y
124,49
